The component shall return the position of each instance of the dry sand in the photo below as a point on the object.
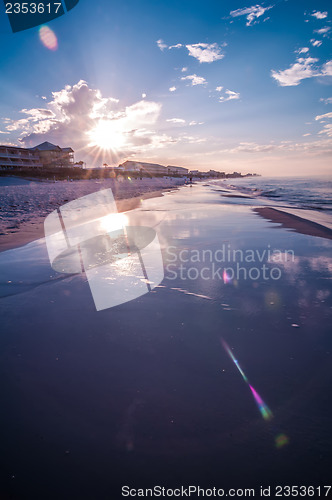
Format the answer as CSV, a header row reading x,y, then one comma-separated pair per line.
x,y
24,207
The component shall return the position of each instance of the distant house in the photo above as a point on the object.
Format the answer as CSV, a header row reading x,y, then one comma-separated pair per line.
x,y
139,166
52,156
14,157
172,170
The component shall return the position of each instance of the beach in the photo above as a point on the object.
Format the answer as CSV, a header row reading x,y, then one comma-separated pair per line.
x,y
218,377
25,204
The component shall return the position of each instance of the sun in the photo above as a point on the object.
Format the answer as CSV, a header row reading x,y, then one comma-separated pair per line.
x,y
108,135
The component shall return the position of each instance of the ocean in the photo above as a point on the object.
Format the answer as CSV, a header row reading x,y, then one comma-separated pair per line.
x,y
298,192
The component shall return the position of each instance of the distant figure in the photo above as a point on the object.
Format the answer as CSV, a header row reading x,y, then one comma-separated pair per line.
x,y
191,179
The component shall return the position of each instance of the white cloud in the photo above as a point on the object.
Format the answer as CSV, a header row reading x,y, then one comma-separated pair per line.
x,y
143,95
172,89
44,97
303,50
319,15
251,13
177,46
39,113
303,68
313,147
230,96
327,69
176,120
305,135
183,70
205,52
192,123
161,44
323,117
327,129
195,80
219,89
324,30
316,43
327,100
80,117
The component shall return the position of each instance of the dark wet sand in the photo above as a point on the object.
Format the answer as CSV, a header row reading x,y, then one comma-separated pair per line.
x,y
144,394
236,196
294,222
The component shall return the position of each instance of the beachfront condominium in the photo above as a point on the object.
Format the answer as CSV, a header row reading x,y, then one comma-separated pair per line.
x,y
152,168
45,155
53,156
13,157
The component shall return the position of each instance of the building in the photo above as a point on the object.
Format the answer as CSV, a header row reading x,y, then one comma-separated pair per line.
x,y
143,167
14,157
45,155
172,170
151,168
52,156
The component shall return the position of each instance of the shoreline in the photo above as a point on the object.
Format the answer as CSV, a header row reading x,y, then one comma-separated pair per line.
x,y
33,230
294,222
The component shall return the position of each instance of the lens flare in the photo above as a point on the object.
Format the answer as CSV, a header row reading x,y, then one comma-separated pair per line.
x,y
225,277
48,38
281,440
263,408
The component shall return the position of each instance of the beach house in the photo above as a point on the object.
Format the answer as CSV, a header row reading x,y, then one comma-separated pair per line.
x,y
52,156
14,157
45,155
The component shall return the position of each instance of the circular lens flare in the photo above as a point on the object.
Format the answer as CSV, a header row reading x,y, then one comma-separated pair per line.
x,y
48,38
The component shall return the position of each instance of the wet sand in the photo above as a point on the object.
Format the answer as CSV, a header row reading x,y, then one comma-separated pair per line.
x,y
144,393
294,222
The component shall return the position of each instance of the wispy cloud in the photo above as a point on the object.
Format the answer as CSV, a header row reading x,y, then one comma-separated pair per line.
x,y
205,52
251,13
195,80
230,96
193,122
319,15
324,30
161,44
177,46
172,89
303,68
326,100
176,120
313,147
303,50
316,43
219,89
327,129
323,117
183,70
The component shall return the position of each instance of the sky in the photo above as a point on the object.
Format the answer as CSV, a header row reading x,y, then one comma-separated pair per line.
x,y
223,85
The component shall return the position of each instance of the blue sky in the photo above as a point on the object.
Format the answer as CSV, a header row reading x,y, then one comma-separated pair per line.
x,y
222,85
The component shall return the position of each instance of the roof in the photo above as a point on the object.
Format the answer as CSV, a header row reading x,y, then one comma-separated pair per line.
x,y
46,146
